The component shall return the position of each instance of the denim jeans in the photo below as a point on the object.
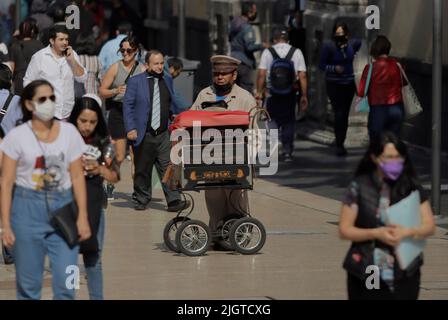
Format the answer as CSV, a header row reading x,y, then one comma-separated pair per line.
x,y
92,263
286,135
36,238
385,118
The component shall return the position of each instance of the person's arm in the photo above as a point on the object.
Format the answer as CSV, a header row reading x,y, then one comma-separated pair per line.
x,y
79,191
79,71
348,230
13,115
362,82
426,229
129,104
9,167
261,81
304,90
249,41
107,81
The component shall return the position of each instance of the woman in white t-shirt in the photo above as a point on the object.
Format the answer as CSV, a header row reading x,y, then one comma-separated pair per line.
x,y
42,172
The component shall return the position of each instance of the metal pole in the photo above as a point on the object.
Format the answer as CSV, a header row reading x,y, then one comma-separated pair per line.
x,y
18,15
436,104
181,29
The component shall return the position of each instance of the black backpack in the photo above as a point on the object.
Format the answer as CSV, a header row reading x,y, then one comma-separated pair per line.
x,y
282,74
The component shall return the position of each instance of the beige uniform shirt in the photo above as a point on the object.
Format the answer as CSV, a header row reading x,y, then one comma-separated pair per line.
x,y
238,99
223,202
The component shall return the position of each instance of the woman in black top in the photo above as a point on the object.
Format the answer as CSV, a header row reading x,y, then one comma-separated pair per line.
x,y
384,177
22,50
99,165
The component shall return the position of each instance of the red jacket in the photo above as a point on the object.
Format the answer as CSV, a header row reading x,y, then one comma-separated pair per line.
x,y
385,84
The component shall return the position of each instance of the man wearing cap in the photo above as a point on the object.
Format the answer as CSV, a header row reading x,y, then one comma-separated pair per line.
x,y
282,105
224,87
222,202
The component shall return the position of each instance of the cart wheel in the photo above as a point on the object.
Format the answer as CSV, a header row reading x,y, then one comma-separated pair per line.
x,y
247,236
169,233
193,238
224,231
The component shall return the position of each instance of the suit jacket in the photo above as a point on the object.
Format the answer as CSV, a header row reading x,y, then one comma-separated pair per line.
x,y
137,104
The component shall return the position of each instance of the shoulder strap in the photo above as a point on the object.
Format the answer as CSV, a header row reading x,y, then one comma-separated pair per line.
x,y
369,76
6,106
131,72
290,53
274,53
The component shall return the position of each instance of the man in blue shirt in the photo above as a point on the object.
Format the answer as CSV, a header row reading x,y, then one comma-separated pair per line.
x,y
109,53
14,112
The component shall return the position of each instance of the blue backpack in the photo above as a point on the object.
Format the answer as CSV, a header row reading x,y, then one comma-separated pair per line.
x,y
282,74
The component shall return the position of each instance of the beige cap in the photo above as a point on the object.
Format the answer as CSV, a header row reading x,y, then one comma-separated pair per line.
x,y
221,63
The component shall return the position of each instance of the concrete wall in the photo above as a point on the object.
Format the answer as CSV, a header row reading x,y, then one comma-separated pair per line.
x,y
408,24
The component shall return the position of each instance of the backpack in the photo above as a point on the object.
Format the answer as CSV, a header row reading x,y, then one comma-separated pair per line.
x,y
282,74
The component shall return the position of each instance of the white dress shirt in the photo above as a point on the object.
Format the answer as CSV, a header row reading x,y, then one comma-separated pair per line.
x,y
46,65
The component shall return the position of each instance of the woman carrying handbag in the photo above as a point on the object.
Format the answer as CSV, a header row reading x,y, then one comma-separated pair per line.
x,y
42,173
384,92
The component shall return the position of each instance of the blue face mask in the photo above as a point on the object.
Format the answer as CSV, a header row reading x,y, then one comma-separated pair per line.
x,y
392,169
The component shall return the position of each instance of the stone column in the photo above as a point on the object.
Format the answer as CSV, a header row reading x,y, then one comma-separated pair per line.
x,y
319,18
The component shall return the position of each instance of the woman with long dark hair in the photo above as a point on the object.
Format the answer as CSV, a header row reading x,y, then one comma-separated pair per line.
x,y
384,177
99,165
42,172
337,62
113,88
22,50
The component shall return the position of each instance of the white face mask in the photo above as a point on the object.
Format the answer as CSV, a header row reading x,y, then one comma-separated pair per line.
x,y
45,111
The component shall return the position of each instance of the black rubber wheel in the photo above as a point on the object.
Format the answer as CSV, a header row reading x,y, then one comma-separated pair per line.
x,y
224,231
247,236
169,233
193,238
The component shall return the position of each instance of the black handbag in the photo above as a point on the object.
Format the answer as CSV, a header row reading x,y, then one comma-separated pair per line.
x,y
64,221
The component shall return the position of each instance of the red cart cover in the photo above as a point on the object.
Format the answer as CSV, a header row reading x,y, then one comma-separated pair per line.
x,y
210,119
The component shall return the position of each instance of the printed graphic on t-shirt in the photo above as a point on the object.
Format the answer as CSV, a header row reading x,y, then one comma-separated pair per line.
x,y
47,173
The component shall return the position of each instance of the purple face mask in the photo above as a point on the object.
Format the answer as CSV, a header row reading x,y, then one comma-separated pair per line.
x,y
392,169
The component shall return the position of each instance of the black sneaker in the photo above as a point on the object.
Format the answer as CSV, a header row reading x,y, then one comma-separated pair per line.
x,y
134,198
341,151
141,206
287,157
177,205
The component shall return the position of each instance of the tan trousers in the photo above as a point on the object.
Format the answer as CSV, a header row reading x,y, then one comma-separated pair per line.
x,y
219,204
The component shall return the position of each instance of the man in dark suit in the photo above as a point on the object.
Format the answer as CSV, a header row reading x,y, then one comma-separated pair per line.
x,y
147,107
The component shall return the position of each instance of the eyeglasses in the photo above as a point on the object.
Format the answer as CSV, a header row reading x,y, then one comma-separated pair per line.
x,y
128,50
43,99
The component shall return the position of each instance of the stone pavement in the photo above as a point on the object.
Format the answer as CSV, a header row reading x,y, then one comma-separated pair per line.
x,y
301,259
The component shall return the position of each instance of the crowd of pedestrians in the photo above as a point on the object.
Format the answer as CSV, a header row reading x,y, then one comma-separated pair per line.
x,y
71,111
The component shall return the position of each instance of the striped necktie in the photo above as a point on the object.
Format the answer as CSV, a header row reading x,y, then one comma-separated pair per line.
x,y
155,118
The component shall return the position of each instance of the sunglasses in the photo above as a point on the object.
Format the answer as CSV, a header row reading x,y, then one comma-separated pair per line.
x,y
128,50
43,99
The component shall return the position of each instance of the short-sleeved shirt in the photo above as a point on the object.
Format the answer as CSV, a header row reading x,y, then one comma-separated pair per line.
x,y
43,166
282,50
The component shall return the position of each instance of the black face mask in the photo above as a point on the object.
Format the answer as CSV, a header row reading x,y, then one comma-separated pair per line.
x,y
222,90
341,40
254,17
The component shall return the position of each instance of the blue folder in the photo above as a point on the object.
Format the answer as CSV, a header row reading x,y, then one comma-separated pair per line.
x,y
407,214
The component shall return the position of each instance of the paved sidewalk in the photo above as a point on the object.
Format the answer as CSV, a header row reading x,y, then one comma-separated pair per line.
x,y
301,259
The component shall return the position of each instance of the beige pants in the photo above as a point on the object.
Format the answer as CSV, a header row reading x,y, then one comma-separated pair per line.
x,y
219,204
